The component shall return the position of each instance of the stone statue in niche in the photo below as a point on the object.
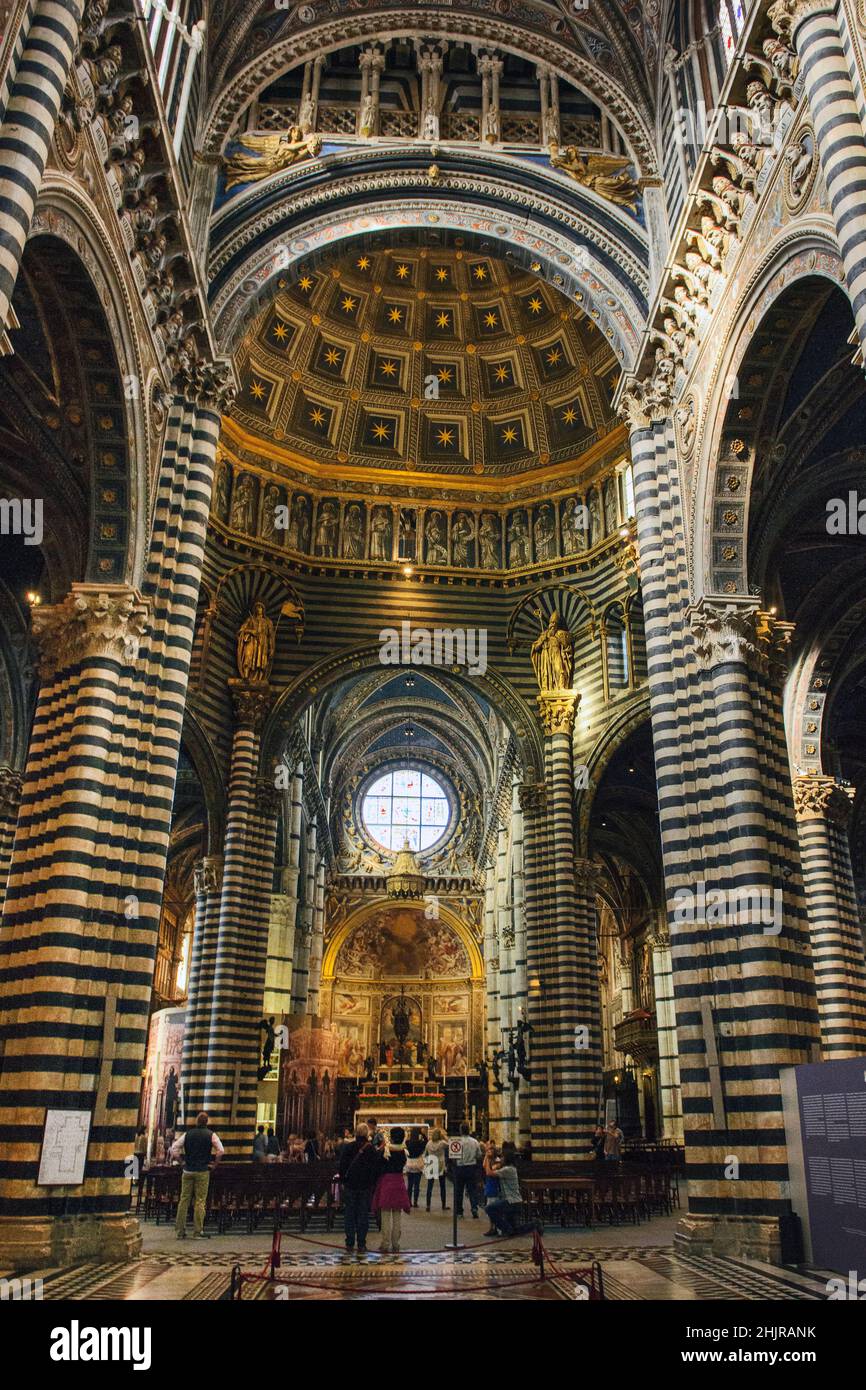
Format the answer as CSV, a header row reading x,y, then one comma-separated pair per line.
x,y
462,539
221,493
610,506
596,526
256,645
299,524
353,533
434,532
545,534
489,541
490,131
408,535
270,502
573,526
553,656
326,531
307,114
518,541
380,534
367,121
244,504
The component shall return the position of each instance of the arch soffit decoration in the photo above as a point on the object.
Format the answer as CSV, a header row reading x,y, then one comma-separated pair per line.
x,y
459,27
372,909
499,694
795,256
815,678
627,722
64,211
570,257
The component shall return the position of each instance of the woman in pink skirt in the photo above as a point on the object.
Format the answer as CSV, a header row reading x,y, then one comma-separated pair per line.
x,y
391,1197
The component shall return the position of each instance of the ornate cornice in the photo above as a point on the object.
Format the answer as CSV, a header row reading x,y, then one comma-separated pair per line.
x,y
557,709
93,623
252,702
821,798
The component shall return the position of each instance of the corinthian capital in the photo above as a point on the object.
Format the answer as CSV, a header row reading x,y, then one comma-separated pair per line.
x,y
725,631
821,798
208,875
95,622
533,798
10,791
252,701
633,407
557,712
786,15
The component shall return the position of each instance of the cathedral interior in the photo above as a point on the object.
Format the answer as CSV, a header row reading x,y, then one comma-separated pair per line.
x,y
432,629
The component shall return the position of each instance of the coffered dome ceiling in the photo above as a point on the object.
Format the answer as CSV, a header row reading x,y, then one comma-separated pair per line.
x,y
425,358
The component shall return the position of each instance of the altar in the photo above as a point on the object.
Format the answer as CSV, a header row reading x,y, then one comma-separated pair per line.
x,y
403,1096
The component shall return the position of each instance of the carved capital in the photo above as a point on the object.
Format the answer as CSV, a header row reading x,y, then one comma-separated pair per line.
x,y
269,798
725,631
821,798
587,873
787,15
252,702
10,792
208,875
94,622
633,407
533,798
557,709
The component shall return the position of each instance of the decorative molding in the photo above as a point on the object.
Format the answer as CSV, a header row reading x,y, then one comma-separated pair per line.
x,y
822,798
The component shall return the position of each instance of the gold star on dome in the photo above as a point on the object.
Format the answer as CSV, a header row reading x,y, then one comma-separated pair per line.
x,y
509,435
388,368
535,304
443,320
441,274
280,331
364,263
349,304
317,417
381,430
501,372
553,356
395,315
569,416
402,271
257,390
490,320
332,357
480,272
305,283
444,374
445,438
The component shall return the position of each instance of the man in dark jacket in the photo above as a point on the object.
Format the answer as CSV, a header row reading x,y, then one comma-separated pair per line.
x,y
360,1166
199,1148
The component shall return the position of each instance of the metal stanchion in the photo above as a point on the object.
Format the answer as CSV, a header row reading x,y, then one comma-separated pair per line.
x,y
454,1243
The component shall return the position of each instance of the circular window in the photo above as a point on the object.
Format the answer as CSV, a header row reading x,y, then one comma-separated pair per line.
x,y
406,804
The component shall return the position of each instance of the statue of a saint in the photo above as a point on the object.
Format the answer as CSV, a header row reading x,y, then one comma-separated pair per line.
x,y
553,657
260,155
256,645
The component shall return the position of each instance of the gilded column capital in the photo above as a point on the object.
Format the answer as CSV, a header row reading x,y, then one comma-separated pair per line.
x,y
252,701
533,798
208,875
821,798
94,622
725,630
557,709
10,791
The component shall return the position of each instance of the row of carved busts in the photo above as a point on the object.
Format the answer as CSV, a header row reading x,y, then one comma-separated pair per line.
x,y
334,529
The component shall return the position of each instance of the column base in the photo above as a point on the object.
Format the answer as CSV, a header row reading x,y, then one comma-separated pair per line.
x,y
28,1243
752,1237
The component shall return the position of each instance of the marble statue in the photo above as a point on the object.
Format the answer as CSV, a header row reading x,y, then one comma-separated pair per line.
x,y
545,535
518,542
437,552
489,540
462,536
326,531
243,505
299,525
380,534
353,534
269,512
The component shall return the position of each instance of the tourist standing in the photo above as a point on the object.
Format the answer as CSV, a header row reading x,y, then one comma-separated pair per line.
x,y
415,1147
465,1170
198,1148
359,1170
435,1159
260,1145
391,1197
273,1149
613,1137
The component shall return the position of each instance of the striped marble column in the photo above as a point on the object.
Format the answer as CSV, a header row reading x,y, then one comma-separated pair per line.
x,y
208,887
305,924
666,1028
28,126
743,988
10,799
823,812
814,29
235,1036
317,935
84,894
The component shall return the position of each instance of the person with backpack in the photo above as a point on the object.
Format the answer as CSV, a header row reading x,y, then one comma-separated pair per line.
x,y
359,1169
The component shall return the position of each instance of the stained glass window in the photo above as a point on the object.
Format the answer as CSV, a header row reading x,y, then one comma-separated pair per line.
x,y
731,16
406,805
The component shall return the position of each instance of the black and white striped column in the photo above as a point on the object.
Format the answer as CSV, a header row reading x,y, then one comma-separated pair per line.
x,y
28,127
10,799
208,888
823,812
814,26
235,1037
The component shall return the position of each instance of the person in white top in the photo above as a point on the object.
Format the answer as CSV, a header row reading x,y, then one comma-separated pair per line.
x,y
466,1172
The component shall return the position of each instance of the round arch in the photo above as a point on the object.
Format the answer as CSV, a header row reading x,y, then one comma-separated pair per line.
x,y
371,909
